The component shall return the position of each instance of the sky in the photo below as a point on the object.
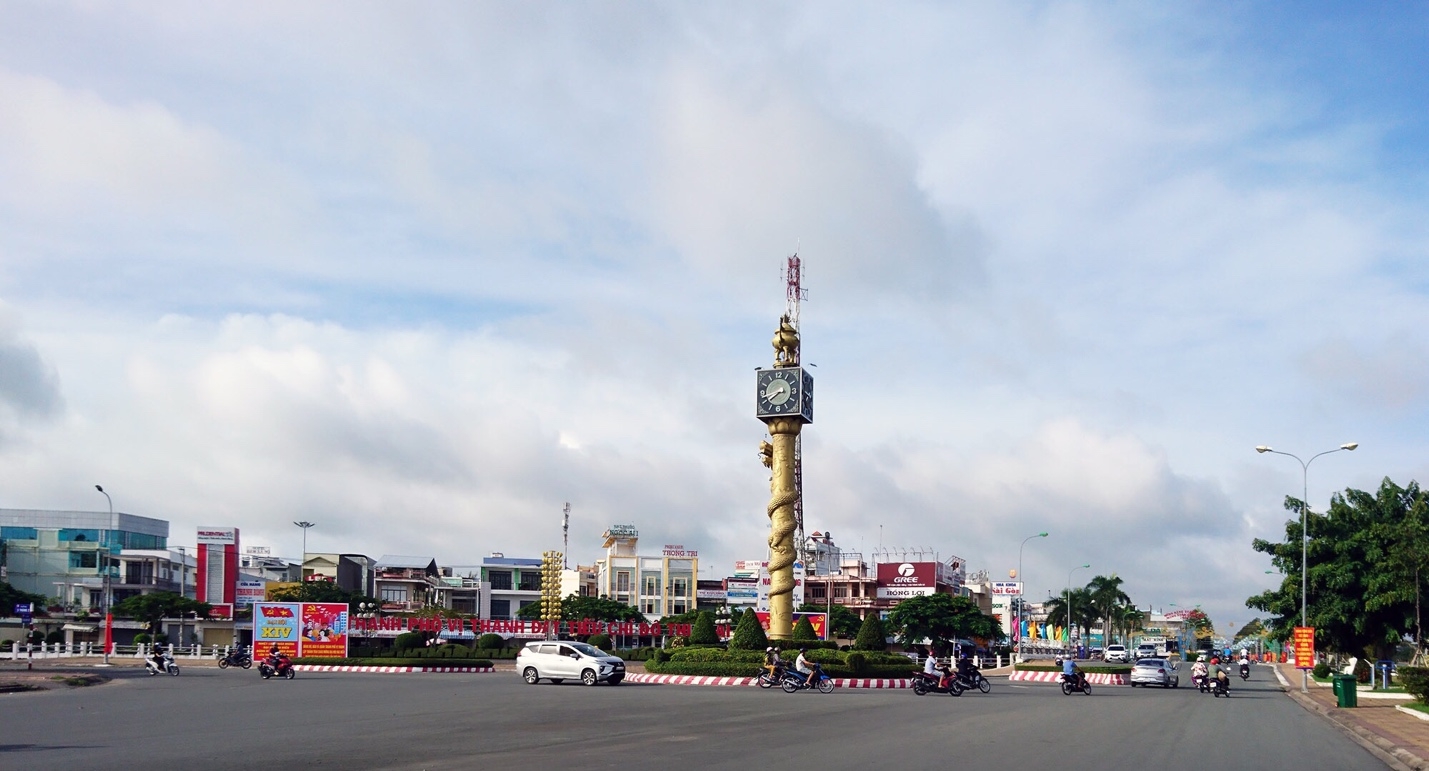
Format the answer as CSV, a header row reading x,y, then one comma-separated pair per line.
x,y
421,273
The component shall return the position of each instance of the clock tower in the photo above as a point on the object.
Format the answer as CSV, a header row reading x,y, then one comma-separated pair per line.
x,y
784,400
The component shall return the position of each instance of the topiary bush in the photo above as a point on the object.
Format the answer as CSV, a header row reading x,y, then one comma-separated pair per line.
x,y
490,642
703,631
749,635
1321,670
857,662
141,638
407,641
601,641
871,636
804,631
1415,681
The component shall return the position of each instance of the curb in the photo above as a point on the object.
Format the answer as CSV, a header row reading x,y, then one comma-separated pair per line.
x,y
752,681
390,670
1056,677
1390,754
1412,712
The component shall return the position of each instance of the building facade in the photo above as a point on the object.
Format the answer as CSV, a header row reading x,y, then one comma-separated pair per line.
x,y
65,554
655,586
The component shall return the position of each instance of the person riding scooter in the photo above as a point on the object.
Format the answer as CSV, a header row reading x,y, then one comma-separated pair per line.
x,y
966,671
156,659
1073,673
1244,665
1199,670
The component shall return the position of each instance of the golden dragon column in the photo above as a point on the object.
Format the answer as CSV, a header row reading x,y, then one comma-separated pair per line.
x,y
785,402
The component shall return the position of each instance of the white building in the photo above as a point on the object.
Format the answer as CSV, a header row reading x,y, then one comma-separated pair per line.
x,y
656,586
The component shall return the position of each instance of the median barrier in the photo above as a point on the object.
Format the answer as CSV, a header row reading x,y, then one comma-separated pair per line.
x,y
390,670
1095,678
850,682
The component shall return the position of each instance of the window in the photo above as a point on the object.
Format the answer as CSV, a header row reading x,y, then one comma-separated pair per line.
x,y
500,579
530,581
817,591
394,594
19,533
622,582
501,609
680,587
524,603
650,605
650,584
83,559
73,534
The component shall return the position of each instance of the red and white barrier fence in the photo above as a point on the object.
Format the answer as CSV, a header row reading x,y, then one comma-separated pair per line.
x,y
748,681
388,670
1056,677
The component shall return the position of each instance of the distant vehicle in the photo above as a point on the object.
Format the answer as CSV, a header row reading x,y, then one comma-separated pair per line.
x,y
1117,653
1155,672
561,660
1146,651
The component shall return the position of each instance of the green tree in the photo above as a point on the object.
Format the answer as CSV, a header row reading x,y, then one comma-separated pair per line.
x,y
804,631
1358,601
1105,595
575,608
871,636
320,591
749,634
845,623
942,619
10,597
703,631
1082,613
154,608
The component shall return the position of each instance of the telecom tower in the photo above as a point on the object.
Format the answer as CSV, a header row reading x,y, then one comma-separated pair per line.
x,y
793,294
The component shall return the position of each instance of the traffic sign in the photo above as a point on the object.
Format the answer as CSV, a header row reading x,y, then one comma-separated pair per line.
x,y
24,608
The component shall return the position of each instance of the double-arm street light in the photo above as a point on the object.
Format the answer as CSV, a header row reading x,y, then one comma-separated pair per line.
x,y
1304,535
1021,607
1069,603
104,593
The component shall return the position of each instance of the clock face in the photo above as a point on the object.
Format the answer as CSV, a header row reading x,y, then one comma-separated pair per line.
x,y
782,391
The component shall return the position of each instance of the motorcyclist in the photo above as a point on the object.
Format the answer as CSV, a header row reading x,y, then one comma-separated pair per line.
x,y
772,661
1072,673
803,666
1223,681
1199,669
931,669
1244,662
157,657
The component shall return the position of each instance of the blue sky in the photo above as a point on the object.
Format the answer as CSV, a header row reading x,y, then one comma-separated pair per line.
x,y
456,264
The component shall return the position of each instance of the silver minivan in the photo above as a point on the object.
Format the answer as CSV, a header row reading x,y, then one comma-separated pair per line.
x,y
561,660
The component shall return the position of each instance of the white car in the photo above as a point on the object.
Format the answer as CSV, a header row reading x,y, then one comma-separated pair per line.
x,y
560,660
1116,653
1160,672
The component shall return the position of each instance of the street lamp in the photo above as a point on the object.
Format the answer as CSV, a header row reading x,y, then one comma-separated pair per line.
x,y
1304,535
1069,602
1020,580
367,611
304,525
105,599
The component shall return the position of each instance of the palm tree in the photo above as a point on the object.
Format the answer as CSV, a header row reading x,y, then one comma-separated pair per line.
x,y
1106,594
1081,616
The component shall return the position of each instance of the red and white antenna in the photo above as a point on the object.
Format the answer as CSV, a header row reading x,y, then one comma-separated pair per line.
x,y
793,293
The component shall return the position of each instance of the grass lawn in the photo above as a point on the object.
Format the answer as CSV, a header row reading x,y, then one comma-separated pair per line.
x,y
1416,706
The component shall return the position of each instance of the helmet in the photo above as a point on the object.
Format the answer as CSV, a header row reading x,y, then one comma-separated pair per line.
x,y
770,649
803,650
1201,657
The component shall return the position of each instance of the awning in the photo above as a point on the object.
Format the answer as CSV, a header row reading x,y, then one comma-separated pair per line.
x,y
80,628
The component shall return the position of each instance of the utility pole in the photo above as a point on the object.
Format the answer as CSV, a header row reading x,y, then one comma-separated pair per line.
x,y
105,598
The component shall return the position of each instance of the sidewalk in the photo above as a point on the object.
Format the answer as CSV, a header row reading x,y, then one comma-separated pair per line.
x,y
1400,740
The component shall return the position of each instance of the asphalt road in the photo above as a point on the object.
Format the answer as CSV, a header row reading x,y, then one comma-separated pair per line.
x,y
212,719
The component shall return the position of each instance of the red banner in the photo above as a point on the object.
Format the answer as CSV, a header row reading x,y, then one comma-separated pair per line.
x,y
816,620
324,629
1303,640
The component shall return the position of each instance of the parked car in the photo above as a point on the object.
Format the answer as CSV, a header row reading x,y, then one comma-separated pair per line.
x,y
561,660
1117,653
1146,651
1160,672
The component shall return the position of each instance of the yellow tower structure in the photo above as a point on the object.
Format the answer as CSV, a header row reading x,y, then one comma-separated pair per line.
x,y
785,402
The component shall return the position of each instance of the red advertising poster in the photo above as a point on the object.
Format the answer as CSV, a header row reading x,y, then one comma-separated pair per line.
x,y
323,630
1303,640
816,620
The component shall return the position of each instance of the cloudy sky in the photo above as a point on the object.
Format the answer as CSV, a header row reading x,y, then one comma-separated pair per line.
x,y
423,272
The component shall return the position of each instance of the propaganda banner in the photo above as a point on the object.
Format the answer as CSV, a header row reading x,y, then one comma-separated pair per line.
x,y
324,630
1303,640
275,623
816,620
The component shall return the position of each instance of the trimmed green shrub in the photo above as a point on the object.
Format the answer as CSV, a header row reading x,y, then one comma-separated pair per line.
x,y
6,645
1415,681
804,631
601,641
857,662
659,656
749,635
405,661
490,642
716,654
140,638
871,636
56,636
408,640
1321,670
703,631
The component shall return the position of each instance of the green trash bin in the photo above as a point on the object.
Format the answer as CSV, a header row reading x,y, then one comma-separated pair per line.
x,y
1346,691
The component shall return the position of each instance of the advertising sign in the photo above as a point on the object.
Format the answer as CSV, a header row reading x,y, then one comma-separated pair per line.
x,y
220,610
678,550
741,592
816,620
1303,640
709,594
218,535
1007,587
749,567
901,580
275,622
249,591
324,629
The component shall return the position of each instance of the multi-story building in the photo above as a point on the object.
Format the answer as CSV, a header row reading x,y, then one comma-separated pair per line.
x,y
406,583
145,571
65,554
656,586
351,572
515,583
464,591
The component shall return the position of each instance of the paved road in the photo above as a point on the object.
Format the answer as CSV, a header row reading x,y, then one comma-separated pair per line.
x,y
215,719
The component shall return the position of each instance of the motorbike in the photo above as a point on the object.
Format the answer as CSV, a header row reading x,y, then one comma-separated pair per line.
x,y
1202,683
770,675
924,683
167,667
283,668
1245,671
794,681
1074,683
971,678
1221,686
237,657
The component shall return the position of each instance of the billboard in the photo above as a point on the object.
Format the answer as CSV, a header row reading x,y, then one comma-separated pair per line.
x,y
217,535
324,629
1007,587
816,620
249,591
1303,646
901,580
300,628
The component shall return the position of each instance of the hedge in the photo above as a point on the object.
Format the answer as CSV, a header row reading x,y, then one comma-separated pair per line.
x,y
738,669
1415,681
408,661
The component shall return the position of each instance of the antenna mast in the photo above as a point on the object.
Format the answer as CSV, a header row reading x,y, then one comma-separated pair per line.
x,y
566,536
793,294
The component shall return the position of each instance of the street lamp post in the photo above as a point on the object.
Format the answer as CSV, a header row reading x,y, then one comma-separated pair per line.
x,y
1021,608
304,525
1069,603
1304,536
105,599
